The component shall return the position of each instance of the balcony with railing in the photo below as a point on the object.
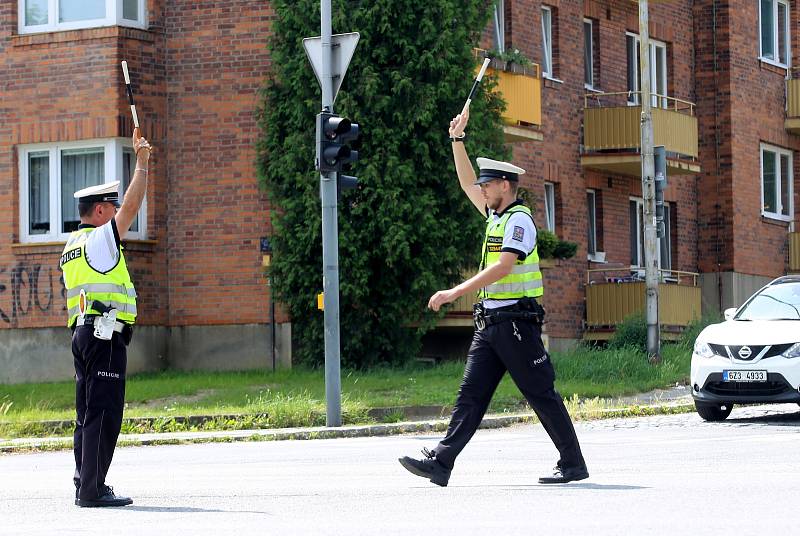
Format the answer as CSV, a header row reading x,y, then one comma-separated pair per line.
x,y
521,89
794,252
792,121
612,133
614,294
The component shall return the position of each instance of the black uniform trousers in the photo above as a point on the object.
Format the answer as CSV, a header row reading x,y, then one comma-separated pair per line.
x,y
99,399
515,347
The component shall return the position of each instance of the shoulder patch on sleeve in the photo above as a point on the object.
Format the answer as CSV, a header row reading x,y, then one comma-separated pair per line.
x,y
518,234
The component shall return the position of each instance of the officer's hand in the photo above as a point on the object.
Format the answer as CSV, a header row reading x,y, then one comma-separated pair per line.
x,y
458,124
440,298
141,147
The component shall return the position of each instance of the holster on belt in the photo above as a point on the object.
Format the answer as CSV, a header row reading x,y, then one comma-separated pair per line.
x,y
525,310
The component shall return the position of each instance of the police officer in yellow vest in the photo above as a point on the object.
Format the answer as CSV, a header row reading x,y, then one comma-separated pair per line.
x,y
508,323
101,303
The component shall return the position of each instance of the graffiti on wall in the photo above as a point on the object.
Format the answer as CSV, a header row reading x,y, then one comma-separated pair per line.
x,y
27,290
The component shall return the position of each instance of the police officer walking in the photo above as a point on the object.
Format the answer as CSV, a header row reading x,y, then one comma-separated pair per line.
x,y
101,303
508,323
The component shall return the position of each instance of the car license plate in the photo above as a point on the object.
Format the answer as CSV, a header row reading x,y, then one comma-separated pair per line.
x,y
744,375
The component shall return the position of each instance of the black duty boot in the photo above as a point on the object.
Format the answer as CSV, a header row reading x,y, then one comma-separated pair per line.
x,y
428,467
106,499
562,475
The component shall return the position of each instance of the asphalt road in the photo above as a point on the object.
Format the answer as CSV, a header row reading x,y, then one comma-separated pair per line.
x,y
651,475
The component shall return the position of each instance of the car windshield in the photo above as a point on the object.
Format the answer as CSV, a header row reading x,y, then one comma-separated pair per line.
x,y
776,302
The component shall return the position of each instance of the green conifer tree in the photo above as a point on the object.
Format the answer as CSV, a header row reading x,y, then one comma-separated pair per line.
x,y
408,230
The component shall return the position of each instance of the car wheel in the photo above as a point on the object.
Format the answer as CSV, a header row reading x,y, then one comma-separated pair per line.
x,y
713,412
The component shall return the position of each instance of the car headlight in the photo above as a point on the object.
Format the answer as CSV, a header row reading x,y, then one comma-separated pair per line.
x,y
701,349
792,352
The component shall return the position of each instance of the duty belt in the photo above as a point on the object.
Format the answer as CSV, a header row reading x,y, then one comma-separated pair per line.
x,y
89,320
486,317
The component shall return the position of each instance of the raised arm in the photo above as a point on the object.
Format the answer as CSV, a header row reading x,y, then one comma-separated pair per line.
x,y
464,169
137,188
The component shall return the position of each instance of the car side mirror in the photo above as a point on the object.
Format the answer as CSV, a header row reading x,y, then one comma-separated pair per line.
x,y
729,313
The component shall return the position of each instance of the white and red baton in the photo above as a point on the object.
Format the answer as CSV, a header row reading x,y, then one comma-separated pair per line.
x,y
475,85
130,93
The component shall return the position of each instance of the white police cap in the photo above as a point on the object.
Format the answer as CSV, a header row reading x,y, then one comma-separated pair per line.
x,y
108,192
494,169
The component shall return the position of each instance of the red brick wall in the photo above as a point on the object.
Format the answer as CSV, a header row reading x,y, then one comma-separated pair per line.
x,y
196,72
61,87
739,108
216,60
557,158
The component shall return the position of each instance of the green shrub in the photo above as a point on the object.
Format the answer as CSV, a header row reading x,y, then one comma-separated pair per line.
x,y
565,250
631,333
546,242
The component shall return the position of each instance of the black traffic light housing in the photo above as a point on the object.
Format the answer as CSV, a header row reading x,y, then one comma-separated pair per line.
x,y
333,134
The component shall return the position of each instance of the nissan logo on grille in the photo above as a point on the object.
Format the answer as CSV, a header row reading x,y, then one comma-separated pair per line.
x,y
745,352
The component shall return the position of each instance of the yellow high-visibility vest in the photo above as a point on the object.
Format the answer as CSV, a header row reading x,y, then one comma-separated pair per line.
x,y
525,279
113,288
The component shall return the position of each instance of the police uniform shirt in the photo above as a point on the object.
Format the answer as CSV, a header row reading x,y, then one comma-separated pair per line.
x,y
102,246
519,238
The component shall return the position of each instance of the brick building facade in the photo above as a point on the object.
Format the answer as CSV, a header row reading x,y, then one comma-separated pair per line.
x,y
197,68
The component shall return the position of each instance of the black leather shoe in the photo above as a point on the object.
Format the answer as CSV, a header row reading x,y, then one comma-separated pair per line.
x,y
568,474
107,499
429,468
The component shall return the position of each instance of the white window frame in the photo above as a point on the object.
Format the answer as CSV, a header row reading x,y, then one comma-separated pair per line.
x,y
667,238
776,35
499,26
112,171
113,18
590,83
550,206
778,183
547,41
656,48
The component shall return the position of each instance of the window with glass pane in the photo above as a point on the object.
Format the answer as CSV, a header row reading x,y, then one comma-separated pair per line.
x,y
78,10
767,35
39,192
588,54
80,168
632,47
636,232
547,41
592,219
665,242
130,9
768,181
785,184
659,77
36,12
550,206
499,25
128,167
782,31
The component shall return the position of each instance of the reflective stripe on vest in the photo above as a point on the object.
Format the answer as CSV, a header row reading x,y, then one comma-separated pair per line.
x,y
113,289
525,277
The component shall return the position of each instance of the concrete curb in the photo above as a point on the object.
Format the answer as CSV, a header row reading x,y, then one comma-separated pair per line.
x,y
321,432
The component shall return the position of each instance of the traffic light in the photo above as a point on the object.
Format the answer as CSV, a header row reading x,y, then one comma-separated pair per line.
x,y
333,134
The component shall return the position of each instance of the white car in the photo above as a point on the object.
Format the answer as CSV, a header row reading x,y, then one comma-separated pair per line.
x,y
752,357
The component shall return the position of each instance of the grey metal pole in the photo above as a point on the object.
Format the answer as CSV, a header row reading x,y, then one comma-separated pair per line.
x,y
330,245
648,190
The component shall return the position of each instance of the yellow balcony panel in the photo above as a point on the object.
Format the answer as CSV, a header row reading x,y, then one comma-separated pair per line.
x,y
631,164
521,89
608,304
794,252
612,137
792,122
